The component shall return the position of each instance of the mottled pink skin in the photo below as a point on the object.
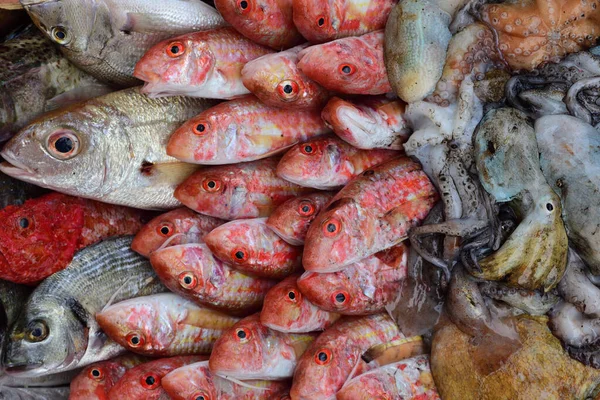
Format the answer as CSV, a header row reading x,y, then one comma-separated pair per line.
x,y
328,163
251,247
361,288
290,221
216,284
340,18
133,386
352,65
207,64
371,213
183,223
262,354
343,344
247,190
286,310
266,22
196,380
368,123
243,130
276,80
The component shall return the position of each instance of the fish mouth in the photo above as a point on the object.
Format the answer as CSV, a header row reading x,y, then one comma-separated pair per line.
x,y
14,168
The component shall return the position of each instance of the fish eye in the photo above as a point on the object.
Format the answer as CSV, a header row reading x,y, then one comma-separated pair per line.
x,y
308,149
200,128
244,5
59,35
331,227
340,297
321,21
165,229
63,145
243,334
293,296
323,356
150,381
175,49
211,185
347,69
201,395
288,90
37,331
135,339
188,280
96,374
306,208
240,254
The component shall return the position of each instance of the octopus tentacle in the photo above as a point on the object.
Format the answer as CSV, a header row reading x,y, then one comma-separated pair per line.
x,y
531,301
573,327
577,289
574,105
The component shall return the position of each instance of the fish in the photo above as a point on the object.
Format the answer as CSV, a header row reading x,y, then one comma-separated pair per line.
x,y
248,190
250,350
243,130
144,381
192,271
41,236
56,330
369,123
195,381
111,149
24,393
252,248
14,192
286,310
37,78
163,324
322,21
179,226
328,163
12,300
276,80
199,64
371,213
362,288
290,221
352,65
106,38
331,359
45,381
266,22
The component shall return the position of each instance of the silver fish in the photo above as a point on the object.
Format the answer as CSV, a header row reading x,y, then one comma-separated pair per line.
x,y
112,149
21,393
56,330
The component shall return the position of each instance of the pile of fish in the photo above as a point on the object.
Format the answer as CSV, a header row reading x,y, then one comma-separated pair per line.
x,y
299,199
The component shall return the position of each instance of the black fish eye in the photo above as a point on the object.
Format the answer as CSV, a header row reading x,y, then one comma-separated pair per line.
x,y
346,69
305,208
322,356
331,228
243,6
292,295
63,145
164,230
340,297
135,340
241,334
321,21
95,373
174,49
187,280
150,380
24,223
288,89
239,255
200,127
202,397
211,184
308,149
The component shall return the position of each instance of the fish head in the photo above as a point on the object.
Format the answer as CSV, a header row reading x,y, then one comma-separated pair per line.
x,y
251,15
329,291
374,385
317,20
239,242
284,306
192,381
94,381
350,120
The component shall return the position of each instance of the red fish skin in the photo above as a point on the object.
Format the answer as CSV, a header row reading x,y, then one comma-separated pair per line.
x,y
134,385
190,227
319,376
372,213
246,190
361,288
321,21
252,248
41,236
266,22
290,221
352,65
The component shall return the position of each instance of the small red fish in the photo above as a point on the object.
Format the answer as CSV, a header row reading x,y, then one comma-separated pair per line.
x,y
291,219
276,80
286,310
321,21
182,225
369,123
41,236
144,381
251,247
266,22
200,64
247,190
372,213
361,288
328,163
250,350
352,65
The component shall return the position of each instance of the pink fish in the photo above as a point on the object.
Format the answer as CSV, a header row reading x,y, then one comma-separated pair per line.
x,y
192,271
328,163
276,80
361,288
266,22
286,310
369,123
247,190
242,130
324,20
182,225
352,65
371,213
336,353
251,247
200,64
291,219
250,350
195,381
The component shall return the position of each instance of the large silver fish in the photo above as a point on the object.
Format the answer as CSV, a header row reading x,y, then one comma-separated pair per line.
x,y
56,330
112,149
106,38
